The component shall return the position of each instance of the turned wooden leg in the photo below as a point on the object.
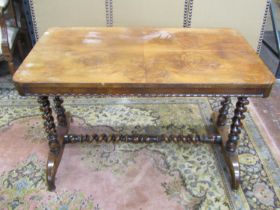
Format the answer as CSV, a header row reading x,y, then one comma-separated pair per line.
x,y
56,147
223,112
235,128
60,111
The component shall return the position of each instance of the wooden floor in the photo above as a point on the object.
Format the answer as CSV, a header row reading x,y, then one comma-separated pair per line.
x,y
267,111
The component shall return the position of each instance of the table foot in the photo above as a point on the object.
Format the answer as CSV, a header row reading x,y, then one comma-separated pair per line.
x,y
52,165
231,158
232,162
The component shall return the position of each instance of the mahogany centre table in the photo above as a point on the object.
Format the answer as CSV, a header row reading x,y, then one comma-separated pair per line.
x,y
146,62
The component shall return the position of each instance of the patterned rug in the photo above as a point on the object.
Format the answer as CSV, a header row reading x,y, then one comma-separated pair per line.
x,y
130,176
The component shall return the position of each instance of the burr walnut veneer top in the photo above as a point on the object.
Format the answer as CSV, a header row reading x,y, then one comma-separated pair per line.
x,y
143,60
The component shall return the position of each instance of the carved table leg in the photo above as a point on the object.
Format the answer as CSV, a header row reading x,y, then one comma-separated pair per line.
x,y
60,111
55,138
230,140
235,128
223,112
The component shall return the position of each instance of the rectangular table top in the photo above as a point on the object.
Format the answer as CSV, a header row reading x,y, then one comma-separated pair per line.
x,y
143,61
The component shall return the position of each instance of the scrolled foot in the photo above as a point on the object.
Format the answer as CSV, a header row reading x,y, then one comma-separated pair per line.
x,y
52,166
232,162
51,174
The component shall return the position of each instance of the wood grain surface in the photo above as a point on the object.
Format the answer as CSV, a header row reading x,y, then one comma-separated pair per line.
x,y
143,60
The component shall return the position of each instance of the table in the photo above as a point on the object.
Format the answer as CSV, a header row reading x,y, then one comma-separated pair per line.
x,y
143,62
